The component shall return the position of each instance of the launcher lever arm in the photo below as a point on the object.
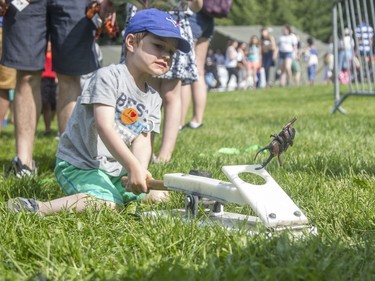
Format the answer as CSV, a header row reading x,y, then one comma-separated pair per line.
x,y
151,184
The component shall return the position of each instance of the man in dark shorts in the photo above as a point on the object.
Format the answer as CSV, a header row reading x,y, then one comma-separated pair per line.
x,y
27,26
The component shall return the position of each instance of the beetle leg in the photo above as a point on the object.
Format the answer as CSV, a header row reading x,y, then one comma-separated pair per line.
x,y
279,159
265,162
268,147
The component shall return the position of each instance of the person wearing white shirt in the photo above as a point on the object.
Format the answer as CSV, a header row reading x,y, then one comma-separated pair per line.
x,y
286,45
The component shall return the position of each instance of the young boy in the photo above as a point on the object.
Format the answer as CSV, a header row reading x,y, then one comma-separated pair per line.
x,y
311,56
109,133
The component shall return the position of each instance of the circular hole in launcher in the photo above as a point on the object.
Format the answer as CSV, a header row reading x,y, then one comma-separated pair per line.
x,y
252,178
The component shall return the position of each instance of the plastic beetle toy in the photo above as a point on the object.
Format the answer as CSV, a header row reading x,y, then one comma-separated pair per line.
x,y
279,144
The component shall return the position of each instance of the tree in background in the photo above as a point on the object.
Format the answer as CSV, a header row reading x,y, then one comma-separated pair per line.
x,y
316,18
311,16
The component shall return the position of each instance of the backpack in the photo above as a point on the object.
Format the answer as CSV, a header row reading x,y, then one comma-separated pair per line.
x,y
217,8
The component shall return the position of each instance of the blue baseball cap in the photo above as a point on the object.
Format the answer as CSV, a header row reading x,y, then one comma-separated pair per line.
x,y
159,23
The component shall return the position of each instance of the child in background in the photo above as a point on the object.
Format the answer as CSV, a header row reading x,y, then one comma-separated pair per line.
x,y
231,62
48,89
311,56
268,52
241,65
254,58
109,133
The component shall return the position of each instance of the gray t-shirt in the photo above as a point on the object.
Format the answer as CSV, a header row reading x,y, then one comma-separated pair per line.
x,y
135,112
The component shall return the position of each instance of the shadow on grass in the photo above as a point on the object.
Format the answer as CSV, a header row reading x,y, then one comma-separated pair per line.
x,y
38,188
251,258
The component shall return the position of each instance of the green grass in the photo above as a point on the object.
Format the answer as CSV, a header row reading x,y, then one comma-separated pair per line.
x,y
329,173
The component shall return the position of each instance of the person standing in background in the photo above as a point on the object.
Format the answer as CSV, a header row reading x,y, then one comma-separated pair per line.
x,y
72,38
212,78
365,34
241,65
185,73
7,83
202,27
311,56
231,62
48,91
254,54
346,51
219,57
286,47
268,52
328,63
296,60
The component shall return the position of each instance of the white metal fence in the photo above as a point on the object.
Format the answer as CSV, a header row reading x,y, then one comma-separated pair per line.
x,y
353,50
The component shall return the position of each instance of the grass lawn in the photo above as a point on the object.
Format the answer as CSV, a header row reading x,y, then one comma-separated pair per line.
x,y
329,173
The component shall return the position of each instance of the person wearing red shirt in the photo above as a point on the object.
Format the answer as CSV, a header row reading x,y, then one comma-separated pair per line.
x,y
48,91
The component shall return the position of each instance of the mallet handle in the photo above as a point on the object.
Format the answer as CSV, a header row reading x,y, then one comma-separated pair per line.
x,y
151,184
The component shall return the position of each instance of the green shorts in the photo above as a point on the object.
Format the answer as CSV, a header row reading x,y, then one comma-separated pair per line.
x,y
94,182
296,67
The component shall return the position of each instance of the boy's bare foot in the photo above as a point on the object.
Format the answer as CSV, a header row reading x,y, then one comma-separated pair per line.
x,y
156,196
159,160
